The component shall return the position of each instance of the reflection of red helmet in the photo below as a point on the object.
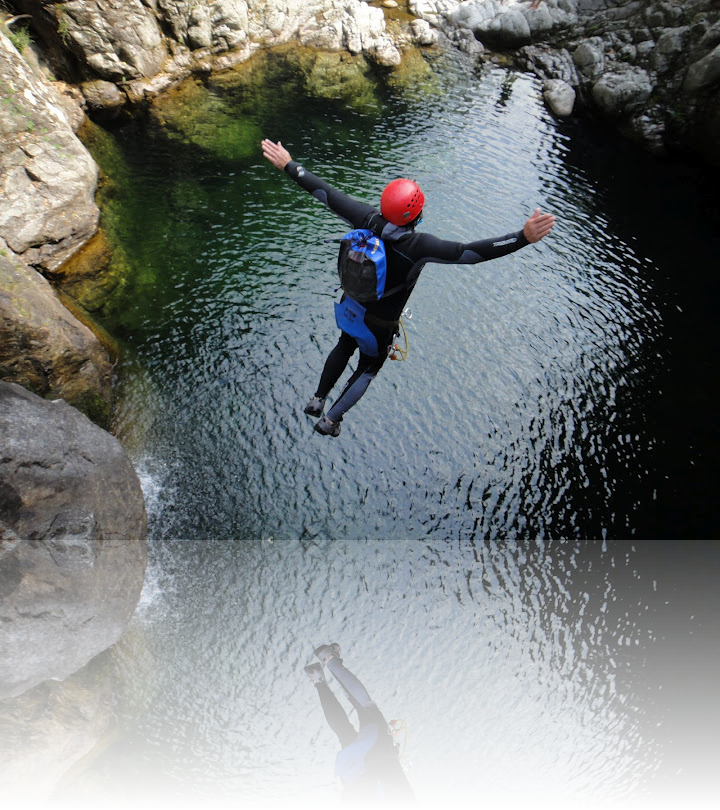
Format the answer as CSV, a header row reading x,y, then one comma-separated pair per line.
x,y
401,201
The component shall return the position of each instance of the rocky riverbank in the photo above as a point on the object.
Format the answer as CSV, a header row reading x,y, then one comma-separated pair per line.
x,y
650,68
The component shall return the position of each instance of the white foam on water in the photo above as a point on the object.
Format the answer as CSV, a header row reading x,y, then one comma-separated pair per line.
x,y
153,475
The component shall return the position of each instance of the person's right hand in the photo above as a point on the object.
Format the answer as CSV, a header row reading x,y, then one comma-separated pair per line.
x,y
538,226
276,153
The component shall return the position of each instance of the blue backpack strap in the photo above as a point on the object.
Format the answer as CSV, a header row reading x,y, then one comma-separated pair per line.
x,y
350,762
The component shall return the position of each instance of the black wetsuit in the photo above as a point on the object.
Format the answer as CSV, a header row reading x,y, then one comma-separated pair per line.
x,y
407,253
381,762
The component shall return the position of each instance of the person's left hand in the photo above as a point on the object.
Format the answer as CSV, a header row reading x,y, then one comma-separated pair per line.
x,y
276,153
538,226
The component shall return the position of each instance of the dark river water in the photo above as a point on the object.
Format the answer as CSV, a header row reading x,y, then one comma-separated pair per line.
x,y
496,538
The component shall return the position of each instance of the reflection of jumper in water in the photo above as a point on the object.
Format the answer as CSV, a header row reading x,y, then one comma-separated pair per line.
x,y
368,763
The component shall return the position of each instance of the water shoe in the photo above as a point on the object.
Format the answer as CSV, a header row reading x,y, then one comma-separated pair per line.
x,y
315,406
326,427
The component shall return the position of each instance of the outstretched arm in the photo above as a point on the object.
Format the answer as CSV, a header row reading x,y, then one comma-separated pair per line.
x,y
351,210
428,248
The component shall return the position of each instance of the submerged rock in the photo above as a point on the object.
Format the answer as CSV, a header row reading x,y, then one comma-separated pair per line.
x,y
72,540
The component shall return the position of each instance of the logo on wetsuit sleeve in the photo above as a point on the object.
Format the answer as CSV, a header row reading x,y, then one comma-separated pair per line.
x,y
505,242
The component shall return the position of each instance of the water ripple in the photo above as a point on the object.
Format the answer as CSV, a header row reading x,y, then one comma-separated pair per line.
x,y
443,538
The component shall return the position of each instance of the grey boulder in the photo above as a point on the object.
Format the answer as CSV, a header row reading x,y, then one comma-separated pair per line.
x,y
72,540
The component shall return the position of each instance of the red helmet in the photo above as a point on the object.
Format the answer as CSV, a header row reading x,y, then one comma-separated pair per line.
x,y
401,201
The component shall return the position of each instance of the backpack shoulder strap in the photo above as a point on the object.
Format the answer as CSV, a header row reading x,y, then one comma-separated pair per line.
x,y
374,222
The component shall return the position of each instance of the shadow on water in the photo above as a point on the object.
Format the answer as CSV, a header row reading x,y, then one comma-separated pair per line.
x,y
667,211
451,540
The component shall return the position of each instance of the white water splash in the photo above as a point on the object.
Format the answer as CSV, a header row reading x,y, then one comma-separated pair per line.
x,y
152,474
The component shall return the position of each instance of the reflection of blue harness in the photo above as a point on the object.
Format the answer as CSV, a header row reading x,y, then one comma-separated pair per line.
x,y
350,762
350,317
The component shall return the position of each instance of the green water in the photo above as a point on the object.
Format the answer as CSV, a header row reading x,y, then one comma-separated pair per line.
x,y
449,538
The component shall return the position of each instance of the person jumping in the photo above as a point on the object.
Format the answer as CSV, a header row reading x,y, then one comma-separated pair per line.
x,y
407,252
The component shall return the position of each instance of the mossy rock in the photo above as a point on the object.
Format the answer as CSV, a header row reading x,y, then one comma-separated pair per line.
x,y
414,74
92,404
106,153
340,77
195,115
94,274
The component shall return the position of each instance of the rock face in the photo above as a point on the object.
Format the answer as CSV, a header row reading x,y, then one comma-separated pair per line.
x,y
651,66
144,47
44,348
47,177
72,540
117,39
46,730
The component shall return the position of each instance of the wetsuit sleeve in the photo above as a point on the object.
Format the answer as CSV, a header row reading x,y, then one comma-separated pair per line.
x,y
428,248
352,211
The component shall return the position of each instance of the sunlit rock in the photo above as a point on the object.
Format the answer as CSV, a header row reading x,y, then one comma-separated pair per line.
x,y
44,348
357,27
559,96
118,39
423,33
47,177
